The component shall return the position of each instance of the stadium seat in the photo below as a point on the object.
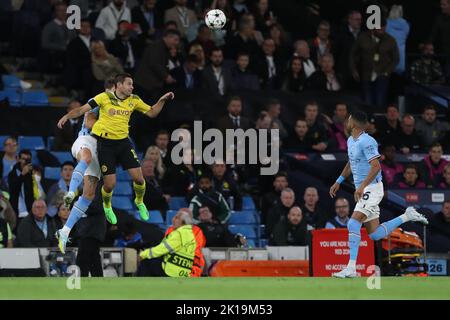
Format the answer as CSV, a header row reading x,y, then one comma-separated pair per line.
x,y
169,216
35,99
123,188
31,142
50,143
52,173
246,230
155,217
247,203
263,243
2,140
63,156
14,97
122,175
177,203
251,243
122,202
242,217
11,81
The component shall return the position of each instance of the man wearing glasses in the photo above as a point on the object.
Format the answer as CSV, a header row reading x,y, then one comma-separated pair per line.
x,y
342,210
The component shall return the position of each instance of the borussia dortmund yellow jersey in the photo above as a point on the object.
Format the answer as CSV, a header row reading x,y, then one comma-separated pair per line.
x,y
114,116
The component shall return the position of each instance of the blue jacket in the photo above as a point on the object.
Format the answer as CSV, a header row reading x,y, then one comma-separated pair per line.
x,y
399,30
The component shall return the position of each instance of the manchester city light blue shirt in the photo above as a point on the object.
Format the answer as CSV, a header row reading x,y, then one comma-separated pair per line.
x,y
361,151
85,131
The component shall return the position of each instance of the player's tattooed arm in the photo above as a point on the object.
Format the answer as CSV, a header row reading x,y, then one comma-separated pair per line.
x,y
157,107
75,113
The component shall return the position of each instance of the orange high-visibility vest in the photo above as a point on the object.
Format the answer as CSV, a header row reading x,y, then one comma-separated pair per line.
x,y
199,260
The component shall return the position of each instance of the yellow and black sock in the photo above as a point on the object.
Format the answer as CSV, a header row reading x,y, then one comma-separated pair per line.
x,y
106,196
139,190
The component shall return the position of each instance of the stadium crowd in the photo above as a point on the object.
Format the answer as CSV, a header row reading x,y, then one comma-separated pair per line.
x,y
166,46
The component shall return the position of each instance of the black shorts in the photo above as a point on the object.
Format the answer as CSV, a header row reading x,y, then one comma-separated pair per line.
x,y
116,152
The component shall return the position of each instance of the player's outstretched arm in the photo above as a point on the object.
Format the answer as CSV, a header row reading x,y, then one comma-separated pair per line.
x,y
74,114
344,175
157,107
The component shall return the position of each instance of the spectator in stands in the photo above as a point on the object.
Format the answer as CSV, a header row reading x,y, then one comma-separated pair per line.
x,y
391,169
268,66
126,47
54,40
217,78
439,227
408,141
104,64
410,179
432,166
8,156
130,237
373,58
182,15
441,29
6,235
153,153
264,121
427,70
345,39
429,128
224,183
22,185
326,78
57,191
175,58
247,39
272,198
6,211
302,51
273,107
37,229
398,28
78,56
152,73
321,44
312,212
65,137
295,78
61,216
445,181
187,76
205,38
342,209
110,16
280,211
389,126
300,141
234,119
205,195
217,234
337,126
183,177
264,18
282,42
316,130
148,17
243,76
372,128
155,198
197,50
291,231
162,142
240,7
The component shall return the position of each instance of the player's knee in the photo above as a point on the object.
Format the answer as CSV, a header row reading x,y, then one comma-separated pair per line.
x,y
89,194
139,181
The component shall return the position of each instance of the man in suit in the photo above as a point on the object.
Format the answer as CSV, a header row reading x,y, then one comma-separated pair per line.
x,y
152,72
187,76
148,18
183,16
65,137
268,66
217,79
78,57
234,120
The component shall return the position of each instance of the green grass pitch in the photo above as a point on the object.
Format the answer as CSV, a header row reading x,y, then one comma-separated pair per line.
x,y
226,288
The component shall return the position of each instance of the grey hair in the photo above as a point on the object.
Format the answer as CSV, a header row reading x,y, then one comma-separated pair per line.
x,y
186,218
396,12
288,190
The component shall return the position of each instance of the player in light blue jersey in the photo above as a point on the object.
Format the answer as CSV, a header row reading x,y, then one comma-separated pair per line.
x,y
365,166
84,149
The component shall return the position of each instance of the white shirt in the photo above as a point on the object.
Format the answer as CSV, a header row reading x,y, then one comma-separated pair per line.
x,y
109,17
86,40
219,78
309,67
272,70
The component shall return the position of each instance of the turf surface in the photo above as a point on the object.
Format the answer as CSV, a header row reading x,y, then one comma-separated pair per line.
x,y
225,288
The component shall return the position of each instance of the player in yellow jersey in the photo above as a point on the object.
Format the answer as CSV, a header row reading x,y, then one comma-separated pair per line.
x,y
113,145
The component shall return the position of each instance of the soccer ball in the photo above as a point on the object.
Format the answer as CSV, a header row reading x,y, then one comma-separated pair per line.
x,y
215,19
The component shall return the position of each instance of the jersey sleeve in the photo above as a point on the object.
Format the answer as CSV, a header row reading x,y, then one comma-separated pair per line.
x,y
141,106
370,149
97,101
95,111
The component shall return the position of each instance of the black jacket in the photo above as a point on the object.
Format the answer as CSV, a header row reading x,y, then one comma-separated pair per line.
x,y
217,235
180,75
210,83
277,213
287,234
318,81
29,235
15,183
153,197
228,188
